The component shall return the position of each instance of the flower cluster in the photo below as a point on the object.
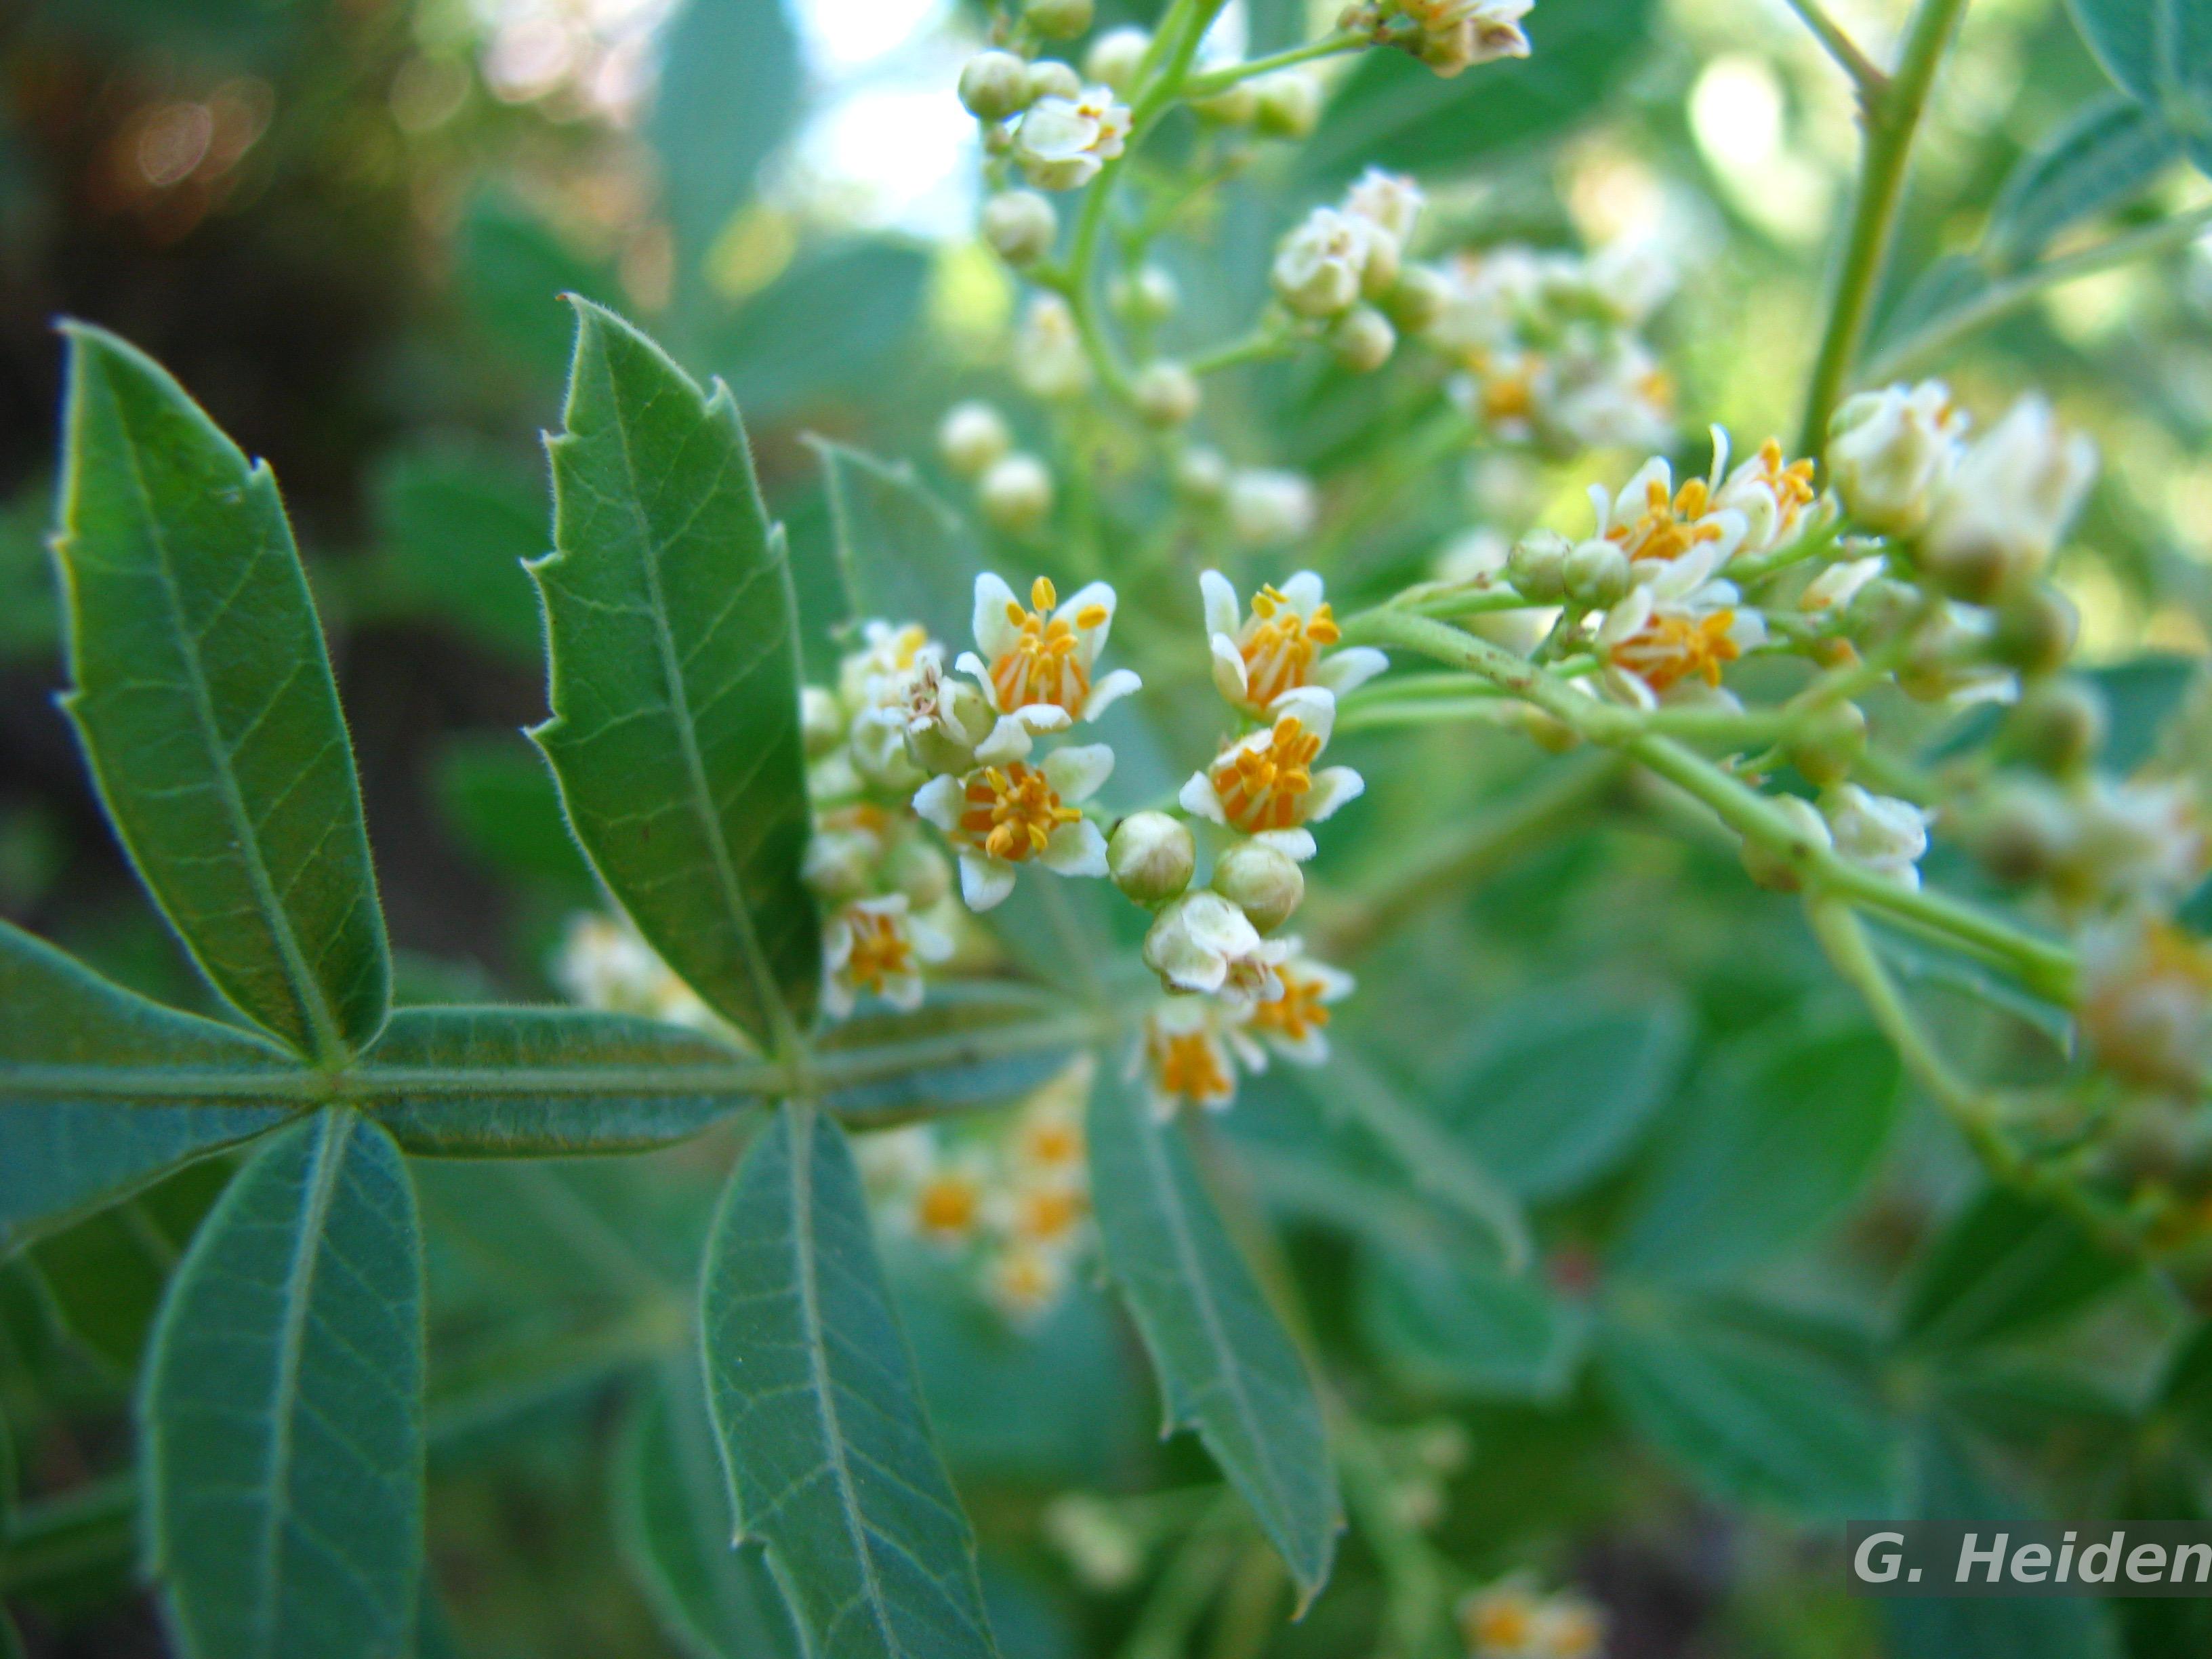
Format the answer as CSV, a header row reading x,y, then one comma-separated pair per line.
x,y
1512,1619
1010,1200
1448,35
1343,269
602,964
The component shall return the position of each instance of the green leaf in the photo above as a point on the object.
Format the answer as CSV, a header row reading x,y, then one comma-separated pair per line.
x,y
905,556
715,1599
1393,112
493,1082
2141,696
829,324
1226,1366
829,1455
88,1097
675,680
453,528
1754,1410
730,82
281,1422
983,1044
1777,1140
2004,1266
1453,1327
1553,1091
204,700
2106,154
2157,50
105,1274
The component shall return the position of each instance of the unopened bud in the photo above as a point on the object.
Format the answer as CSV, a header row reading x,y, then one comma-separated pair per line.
x,y
1050,78
1115,56
1419,299
1152,856
821,720
1166,393
2020,830
1019,226
1538,565
1595,573
920,871
1201,476
1829,743
2057,725
1781,870
1289,104
2036,631
1016,494
1362,340
994,85
972,436
1234,106
1973,568
1266,884
840,864
1058,20
1147,295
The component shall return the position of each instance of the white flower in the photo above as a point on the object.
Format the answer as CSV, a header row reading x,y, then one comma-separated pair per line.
x,y
1390,201
1036,664
1293,1024
1047,356
1999,516
1062,143
1278,648
1268,505
1770,492
1890,452
1025,1283
997,817
1632,277
1885,835
605,963
1192,1048
2137,841
876,944
1264,785
1649,519
1510,1620
2146,1002
1202,942
1678,626
868,679
1320,266
1836,586
1457,33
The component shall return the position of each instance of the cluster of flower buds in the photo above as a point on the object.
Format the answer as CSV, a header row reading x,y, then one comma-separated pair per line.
x,y
1448,35
1013,488
1549,343
1010,1198
1043,118
1513,1619
1343,270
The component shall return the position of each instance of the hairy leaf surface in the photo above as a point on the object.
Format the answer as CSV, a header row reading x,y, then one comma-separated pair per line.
x,y
204,697
831,1458
281,1420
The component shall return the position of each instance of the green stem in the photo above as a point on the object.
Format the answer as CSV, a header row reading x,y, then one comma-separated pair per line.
x,y
1220,80
1840,45
1892,115
2004,297
1258,346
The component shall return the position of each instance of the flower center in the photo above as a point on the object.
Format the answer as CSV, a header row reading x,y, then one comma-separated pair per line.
x,y
1280,646
1053,1142
1294,1015
1012,811
1670,647
1791,486
1261,785
881,951
1045,662
1049,1212
1668,529
1190,1067
946,1205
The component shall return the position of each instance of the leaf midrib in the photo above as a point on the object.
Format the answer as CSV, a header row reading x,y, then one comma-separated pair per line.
x,y
328,1045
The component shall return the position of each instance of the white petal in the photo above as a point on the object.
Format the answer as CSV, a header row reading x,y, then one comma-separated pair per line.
x,y
1626,620
1076,772
932,944
1009,740
1304,590
1348,670
1295,844
1094,639
836,999
1231,677
1312,1049
1249,1054
1333,786
902,991
1223,613
984,882
836,944
1720,457
994,633
1075,849
1043,717
974,668
1108,691
1314,707
1197,796
938,802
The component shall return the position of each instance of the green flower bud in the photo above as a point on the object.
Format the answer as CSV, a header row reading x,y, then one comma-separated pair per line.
x,y
1115,57
1419,298
1150,857
2057,725
972,436
1058,20
1232,106
1289,104
1019,226
1779,872
1148,295
1166,394
1538,565
1829,743
920,871
1595,573
994,85
2036,629
1050,78
1266,884
1362,340
821,720
1016,494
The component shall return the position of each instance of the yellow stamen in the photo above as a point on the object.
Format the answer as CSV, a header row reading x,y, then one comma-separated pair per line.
x,y
946,1205
1012,812
1297,1013
1045,662
1671,648
1279,646
1263,785
1189,1066
881,949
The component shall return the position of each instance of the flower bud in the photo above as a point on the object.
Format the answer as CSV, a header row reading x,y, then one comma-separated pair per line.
x,y
1050,78
1999,516
1016,494
1888,451
971,437
994,85
1289,104
1148,295
1234,106
821,720
1595,573
1202,942
1019,226
2020,830
2057,725
1829,743
840,864
920,871
1267,885
1166,393
1115,57
1268,505
1538,565
1362,340
1201,476
1150,857
1779,872
2036,631
1419,299
1058,20
1884,834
